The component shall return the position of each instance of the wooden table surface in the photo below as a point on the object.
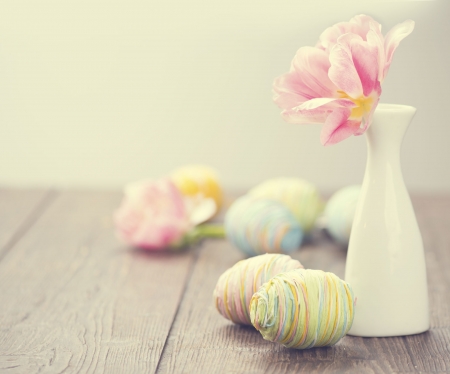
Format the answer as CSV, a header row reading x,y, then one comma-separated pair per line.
x,y
74,300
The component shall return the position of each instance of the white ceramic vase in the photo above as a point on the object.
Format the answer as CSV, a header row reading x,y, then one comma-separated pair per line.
x,y
385,261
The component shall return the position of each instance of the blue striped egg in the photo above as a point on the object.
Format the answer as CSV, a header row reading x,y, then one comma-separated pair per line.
x,y
257,225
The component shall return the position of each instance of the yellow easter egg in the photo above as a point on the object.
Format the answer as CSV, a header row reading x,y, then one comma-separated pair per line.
x,y
298,195
194,179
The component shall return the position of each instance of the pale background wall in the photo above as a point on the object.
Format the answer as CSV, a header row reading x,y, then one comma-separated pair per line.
x,y
99,93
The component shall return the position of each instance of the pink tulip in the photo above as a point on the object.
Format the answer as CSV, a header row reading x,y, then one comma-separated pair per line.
x,y
155,215
337,83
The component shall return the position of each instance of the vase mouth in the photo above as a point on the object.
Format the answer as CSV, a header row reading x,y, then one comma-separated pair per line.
x,y
394,107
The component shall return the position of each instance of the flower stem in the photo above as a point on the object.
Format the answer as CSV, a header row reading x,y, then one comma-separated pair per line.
x,y
205,231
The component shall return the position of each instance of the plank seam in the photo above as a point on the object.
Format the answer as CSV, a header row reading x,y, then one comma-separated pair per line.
x,y
183,294
28,222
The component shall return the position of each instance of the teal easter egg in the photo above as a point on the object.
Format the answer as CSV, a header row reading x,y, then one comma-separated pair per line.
x,y
340,211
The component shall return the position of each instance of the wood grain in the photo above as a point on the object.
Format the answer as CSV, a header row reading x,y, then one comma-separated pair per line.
x,y
73,299
19,209
202,341
431,351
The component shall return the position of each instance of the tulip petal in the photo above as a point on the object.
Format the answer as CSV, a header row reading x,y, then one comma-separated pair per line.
x,y
364,22
343,72
329,37
338,127
365,60
355,66
154,237
393,39
315,110
376,39
306,79
200,208
152,215
322,101
311,67
358,25
286,93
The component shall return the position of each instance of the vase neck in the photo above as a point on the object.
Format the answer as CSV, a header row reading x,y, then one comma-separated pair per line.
x,y
384,140
388,128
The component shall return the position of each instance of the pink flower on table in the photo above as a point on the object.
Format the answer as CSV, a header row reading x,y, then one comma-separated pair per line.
x,y
155,215
337,83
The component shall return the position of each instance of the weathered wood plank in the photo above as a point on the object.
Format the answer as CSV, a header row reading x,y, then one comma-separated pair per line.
x,y
431,351
202,341
73,299
18,211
